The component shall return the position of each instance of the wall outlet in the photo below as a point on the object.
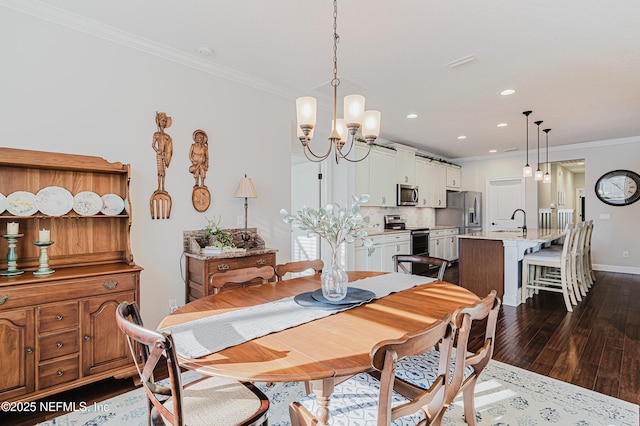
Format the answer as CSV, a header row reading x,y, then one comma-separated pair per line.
x,y
173,305
604,216
625,253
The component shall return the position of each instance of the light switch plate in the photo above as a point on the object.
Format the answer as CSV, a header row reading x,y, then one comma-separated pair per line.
x,y
604,216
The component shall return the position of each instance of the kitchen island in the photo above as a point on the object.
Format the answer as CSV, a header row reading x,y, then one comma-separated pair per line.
x,y
491,260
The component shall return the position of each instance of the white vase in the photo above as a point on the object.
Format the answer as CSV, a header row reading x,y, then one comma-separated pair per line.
x,y
334,279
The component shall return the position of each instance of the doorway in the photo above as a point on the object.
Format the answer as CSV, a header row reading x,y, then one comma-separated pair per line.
x,y
504,196
563,199
306,191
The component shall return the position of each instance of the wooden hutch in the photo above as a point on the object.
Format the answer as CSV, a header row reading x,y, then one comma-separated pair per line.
x,y
58,330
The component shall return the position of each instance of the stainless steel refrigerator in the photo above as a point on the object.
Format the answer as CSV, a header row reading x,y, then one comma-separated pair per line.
x,y
464,210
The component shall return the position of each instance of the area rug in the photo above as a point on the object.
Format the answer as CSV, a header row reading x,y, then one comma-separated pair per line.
x,y
505,395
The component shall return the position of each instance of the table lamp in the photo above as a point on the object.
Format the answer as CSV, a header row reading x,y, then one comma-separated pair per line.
x,y
245,190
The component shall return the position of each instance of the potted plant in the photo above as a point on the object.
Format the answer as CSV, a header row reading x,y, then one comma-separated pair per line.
x,y
217,237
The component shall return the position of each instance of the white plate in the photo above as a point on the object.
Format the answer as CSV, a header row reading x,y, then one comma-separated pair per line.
x,y
113,204
54,201
21,203
3,202
87,203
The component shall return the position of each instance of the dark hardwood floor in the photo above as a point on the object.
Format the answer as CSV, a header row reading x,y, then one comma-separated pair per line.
x,y
597,346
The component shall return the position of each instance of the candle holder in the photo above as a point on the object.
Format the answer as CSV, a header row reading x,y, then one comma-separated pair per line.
x,y
44,258
12,255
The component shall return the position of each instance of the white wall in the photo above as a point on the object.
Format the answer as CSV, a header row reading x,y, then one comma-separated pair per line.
x,y
610,237
67,91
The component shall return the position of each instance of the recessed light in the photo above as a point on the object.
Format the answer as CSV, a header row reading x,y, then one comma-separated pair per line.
x,y
412,115
492,151
501,125
204,50
507,92
462,137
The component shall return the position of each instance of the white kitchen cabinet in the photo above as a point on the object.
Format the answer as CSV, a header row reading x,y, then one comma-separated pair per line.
x,y
443,243
382,177
453,177
405,165
379,257
422,181
362,184
439,188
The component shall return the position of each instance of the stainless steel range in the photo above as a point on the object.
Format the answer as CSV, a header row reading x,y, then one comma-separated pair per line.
x,y
419,239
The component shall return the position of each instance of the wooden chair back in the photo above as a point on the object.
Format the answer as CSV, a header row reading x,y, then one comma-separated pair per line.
x,y
487,308
300,266
399,259
153,345
241,276
384,358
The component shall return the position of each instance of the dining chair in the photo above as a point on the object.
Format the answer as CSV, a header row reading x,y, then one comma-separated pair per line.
x,y
400,259
588,268
299,266
365,399
464,367
534,279
207,401
241,278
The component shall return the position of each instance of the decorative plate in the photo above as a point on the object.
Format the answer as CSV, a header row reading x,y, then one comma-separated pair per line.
x,y
21,203
306,300
54,201
113,204
3,202
87,203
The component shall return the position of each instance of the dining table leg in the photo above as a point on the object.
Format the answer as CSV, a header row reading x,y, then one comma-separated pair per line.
x,y
323,390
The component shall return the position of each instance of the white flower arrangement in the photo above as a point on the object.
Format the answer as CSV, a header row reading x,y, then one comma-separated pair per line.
x,y
334,224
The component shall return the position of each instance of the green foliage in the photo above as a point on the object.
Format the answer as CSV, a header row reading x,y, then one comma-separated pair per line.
x,y
334,224
222,238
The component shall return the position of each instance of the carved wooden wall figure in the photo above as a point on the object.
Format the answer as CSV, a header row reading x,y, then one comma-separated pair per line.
x,y
199,156
163,146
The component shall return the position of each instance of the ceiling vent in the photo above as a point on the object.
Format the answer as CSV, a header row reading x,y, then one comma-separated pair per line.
x,y
467,60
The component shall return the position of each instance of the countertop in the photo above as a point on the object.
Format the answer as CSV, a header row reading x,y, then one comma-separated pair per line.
x,y
254,252
538,235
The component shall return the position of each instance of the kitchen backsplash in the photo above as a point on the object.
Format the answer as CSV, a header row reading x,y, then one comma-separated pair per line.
x,y
416,217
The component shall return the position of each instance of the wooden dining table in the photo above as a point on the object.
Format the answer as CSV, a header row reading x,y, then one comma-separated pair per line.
x,y
321,351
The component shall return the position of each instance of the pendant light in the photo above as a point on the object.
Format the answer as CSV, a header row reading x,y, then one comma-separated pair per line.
x,y
527,171
342,130
547,176
538,175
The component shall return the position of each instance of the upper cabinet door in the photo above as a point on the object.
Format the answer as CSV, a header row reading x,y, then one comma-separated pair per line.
x,y
453,178
405,166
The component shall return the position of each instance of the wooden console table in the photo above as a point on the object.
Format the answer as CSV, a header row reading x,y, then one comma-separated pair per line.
x,y
200,269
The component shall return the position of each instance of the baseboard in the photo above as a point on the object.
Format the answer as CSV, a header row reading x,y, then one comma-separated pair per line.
x,y
616,268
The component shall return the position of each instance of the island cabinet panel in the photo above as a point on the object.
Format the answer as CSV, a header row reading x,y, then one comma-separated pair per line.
x,y
481,266
58,330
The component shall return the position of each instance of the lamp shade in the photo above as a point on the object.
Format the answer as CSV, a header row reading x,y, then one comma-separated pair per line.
x,y
245,189
371,123
306,111
353,109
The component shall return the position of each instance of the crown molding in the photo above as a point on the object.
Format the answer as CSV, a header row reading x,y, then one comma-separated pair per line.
x,y
559,148
45,11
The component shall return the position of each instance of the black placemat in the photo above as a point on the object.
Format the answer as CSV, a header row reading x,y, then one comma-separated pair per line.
x,y
354,295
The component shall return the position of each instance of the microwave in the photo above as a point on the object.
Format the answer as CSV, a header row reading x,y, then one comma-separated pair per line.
x,y
407,195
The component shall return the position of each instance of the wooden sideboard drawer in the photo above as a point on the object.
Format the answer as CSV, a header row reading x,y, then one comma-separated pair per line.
x,y
58,344
230,264
57,317
58,371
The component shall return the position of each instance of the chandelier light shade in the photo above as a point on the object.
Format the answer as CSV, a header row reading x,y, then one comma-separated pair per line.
x,y
356,124
527,171
538,174
547,175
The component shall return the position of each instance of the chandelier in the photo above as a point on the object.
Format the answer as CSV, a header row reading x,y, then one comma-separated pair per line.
x,y
344,130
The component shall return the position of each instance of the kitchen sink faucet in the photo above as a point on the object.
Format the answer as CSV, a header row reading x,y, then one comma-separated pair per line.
x,y
524,222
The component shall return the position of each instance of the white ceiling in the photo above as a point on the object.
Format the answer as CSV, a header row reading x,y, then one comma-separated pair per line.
x,y
575,63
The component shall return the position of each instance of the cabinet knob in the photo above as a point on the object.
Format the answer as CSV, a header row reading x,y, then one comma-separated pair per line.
x,y
87,338
454,182
29,350
60,372
110,284
223,267
59,344
261,262
4,299
59,317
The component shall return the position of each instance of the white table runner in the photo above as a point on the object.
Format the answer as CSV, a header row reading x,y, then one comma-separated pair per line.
x,y
208,335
